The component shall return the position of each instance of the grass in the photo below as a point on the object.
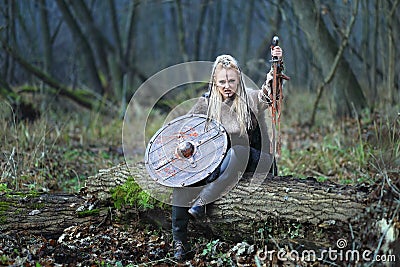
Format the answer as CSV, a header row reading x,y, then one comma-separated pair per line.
x,y
343,151
57,151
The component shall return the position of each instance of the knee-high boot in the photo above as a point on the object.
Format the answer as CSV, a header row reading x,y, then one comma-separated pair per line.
x,y
180,220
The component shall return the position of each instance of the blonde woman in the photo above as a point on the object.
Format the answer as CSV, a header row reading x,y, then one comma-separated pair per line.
x,y
241,111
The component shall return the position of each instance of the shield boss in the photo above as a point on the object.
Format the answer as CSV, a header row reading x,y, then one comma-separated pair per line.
x,y
186,150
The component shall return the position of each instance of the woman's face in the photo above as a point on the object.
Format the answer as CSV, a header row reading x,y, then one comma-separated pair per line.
x,y
227,81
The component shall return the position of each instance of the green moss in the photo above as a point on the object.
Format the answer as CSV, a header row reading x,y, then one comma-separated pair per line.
x,y
130,193
4,188
86,213
37,206
4,207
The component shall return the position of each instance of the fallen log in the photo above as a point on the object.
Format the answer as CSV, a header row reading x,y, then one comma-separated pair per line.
x,y
46,215
278,202
288,199
282,207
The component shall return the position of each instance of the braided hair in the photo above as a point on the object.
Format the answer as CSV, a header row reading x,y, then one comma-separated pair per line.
x,y
240,102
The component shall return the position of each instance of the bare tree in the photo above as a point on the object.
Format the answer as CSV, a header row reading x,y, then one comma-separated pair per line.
x,y
391,44
11,32
199,30
181,31
347,90
115,45
335,63
87,52
98,43
46,37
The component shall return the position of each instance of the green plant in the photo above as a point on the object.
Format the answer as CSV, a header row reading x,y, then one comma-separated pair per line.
x,y
57,150
213,251
130,193
210,247
4,259
4,188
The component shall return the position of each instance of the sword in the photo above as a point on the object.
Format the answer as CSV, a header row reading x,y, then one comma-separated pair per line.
x,y
276,107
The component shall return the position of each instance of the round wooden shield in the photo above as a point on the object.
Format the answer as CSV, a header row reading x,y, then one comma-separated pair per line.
x,y
186,150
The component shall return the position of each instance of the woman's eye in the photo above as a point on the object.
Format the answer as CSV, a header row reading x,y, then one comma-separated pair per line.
x,y
232,81
221,82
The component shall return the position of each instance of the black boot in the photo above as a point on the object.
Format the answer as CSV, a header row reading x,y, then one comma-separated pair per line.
x,y
180,220
179,251
198,209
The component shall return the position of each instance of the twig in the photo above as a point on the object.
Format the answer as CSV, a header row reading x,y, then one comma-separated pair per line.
x,y
390,224
274,241
105,218
392,186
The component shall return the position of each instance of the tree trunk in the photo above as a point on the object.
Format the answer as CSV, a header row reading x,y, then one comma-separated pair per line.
x,y
46,38
393,99
98,42
46,215
87,52
247,30
181,31
11,38
246,208
287,199
347,89
199,32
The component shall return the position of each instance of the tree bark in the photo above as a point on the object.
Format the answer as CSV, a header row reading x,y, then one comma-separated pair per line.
x,y
391,54
181,31
198,43
335,63
46,38
98,42
10,35
286,200
46,215
289,199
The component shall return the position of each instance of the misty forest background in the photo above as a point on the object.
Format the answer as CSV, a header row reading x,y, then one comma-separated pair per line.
x,y
69,68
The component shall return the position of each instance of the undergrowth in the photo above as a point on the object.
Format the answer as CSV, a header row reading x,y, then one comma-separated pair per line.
x,y
57,151
347,151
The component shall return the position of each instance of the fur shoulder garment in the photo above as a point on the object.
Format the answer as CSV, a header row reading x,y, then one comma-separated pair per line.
x,y
229,118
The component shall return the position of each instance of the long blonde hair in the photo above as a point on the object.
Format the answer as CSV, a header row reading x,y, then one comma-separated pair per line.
x,y
240,102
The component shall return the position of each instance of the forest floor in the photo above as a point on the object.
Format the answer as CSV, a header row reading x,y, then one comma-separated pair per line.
x,y
51,155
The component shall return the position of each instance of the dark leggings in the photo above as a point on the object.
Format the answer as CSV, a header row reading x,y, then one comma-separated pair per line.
x,y
228,175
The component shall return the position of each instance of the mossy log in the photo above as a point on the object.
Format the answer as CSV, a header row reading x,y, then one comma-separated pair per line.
x,y
285,204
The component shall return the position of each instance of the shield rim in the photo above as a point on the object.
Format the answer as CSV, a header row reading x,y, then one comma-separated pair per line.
x,y
156,134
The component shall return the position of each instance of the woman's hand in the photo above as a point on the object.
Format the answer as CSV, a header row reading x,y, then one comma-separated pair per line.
x,y
265,94
277,52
